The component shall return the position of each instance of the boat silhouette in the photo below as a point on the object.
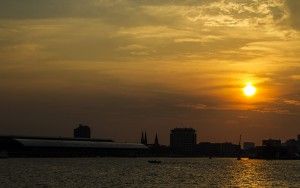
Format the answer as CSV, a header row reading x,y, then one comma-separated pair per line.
x,y
154,161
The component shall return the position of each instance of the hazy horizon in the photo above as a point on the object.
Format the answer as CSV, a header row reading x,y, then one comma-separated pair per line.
x,y
123,67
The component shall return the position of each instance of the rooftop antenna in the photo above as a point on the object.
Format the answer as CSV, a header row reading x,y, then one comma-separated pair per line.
x,y
239,152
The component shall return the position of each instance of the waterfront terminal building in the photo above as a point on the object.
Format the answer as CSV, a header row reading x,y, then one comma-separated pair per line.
x,y
20,146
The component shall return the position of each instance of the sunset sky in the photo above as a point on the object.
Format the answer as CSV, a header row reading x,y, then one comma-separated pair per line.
x,y
123,67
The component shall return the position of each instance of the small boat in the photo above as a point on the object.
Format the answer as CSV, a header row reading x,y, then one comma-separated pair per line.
x,y
154,161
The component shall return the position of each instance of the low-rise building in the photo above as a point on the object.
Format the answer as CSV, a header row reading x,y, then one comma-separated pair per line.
x,y
271,143
248,145
82,131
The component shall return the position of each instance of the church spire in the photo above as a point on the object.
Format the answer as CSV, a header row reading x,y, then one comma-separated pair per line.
x,y
142,138
156,143
145,138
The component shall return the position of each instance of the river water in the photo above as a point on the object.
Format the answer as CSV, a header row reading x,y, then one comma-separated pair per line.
x,y
137,172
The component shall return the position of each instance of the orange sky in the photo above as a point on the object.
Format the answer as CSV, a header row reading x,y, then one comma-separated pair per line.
x,y
127,66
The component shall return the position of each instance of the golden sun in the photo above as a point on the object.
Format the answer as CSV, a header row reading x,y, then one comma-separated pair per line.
x,y
249,90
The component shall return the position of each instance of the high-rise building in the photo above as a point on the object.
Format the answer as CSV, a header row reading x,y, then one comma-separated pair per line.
x,y
82,131
183,140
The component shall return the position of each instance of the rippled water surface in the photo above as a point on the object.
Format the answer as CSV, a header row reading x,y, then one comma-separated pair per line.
x,y
137,172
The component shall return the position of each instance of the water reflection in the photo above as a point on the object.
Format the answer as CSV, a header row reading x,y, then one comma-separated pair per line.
x,y
132,172
248,173
261,173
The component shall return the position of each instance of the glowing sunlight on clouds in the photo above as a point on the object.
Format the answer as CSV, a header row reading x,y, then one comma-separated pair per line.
x,y
167,60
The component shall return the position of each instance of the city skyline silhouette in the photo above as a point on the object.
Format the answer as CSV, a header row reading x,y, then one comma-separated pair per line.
x,y
224,68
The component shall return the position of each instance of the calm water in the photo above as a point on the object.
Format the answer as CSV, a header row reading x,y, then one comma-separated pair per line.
x,y
132,172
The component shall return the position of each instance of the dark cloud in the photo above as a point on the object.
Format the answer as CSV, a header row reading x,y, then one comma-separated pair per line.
x,y
113,12
277,12
28,9
294,6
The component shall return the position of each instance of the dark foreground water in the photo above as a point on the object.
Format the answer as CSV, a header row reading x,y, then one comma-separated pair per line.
x,y
137,172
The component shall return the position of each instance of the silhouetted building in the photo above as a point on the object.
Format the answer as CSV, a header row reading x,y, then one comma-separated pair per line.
x,y
249,149
158,150
144,138
82,131
298,145
291,142
274,149
156,143
229,149
292,146
183,140
208,149
248,145
18,146
271,143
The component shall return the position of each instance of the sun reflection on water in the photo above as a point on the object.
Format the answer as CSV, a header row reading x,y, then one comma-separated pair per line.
x,y
248,173
135,172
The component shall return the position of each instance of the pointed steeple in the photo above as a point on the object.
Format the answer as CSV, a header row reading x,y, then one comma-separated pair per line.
x,y
145,138
142,138
156,143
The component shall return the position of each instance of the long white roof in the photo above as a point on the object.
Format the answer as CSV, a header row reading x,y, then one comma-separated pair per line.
x,y
78,144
